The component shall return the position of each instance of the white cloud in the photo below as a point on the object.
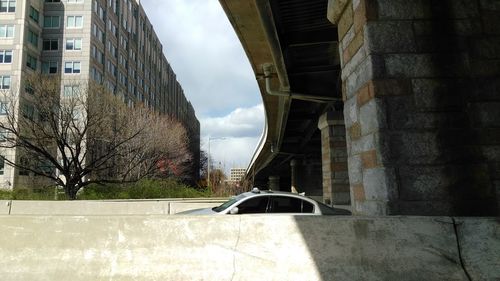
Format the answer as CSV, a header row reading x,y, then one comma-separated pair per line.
x,y
242,122
211,65
234,136
205,53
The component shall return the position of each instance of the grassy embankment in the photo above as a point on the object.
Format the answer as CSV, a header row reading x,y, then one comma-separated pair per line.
x,y
144,189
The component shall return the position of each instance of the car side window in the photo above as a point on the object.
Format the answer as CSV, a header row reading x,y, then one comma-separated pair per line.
x,y
282,204
254,205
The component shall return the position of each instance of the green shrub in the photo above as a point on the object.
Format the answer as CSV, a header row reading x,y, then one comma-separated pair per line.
x,y
5,194
144,189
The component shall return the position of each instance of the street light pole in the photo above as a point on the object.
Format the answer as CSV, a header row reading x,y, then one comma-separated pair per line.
x,y
208,158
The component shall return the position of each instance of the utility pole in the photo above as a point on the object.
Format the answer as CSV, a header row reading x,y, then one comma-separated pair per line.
x,y
208,158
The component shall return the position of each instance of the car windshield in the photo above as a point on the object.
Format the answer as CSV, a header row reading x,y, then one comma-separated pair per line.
x,y
229,203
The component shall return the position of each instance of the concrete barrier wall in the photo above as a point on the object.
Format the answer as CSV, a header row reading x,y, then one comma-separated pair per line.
x,y
240,248
479,242
117,207
4,207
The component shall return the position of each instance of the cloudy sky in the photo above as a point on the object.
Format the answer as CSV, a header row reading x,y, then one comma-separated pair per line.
x,y
205,53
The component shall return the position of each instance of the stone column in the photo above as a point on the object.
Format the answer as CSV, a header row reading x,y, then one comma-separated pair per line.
x,y
294,163
420,84
274,183
334,159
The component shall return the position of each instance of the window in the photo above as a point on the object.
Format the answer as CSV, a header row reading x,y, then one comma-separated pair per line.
x,y
253,205
34,14
49,67
98,33
28,111
2,160
74,22
52,1
7,6
33,38
3,108
281,204
5,56
74,1
74,44
24,163
31,62
4,82
6,30
51,21
71,90
72,67
50,44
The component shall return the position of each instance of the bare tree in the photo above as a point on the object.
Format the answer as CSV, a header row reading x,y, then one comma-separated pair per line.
x,y
84,135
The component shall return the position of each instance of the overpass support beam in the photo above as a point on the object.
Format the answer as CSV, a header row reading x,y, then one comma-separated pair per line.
x,y
294,166
334,159
420,84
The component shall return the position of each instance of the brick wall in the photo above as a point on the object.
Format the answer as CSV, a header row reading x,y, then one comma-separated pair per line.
x,y
421,104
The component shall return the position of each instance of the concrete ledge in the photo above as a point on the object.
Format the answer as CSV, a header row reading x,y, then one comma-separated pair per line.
x,y
139,207
480,245
235,247
4,207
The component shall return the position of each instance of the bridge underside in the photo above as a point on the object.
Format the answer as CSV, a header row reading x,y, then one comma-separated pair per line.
x,y
390,106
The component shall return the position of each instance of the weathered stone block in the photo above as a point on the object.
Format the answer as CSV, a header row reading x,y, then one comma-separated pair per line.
x,y
403,9
369,159
492,152
485,89
344,19
426,65
372,116
344,43
348,67
335,9
414,147
459,9
492,5
424,208
353,46
389,37
358,192
380,184
486,48
390,87
365,11
355,168
491,22
485,67
486,114
370,68
438,94
420,183
365,94
351,112
371,207
364,143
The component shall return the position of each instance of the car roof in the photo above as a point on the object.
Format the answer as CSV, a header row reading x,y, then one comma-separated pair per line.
x,y
258,192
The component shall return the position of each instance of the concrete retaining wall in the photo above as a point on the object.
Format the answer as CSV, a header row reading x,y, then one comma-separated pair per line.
x,y
246,248
139,207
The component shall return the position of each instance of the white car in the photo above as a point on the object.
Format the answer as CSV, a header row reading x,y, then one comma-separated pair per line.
x,y
269,202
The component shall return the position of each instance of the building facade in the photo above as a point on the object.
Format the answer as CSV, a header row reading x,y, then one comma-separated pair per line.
x,y
237,174
110,42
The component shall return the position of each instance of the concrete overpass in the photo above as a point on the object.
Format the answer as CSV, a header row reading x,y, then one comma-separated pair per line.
x,y
391,106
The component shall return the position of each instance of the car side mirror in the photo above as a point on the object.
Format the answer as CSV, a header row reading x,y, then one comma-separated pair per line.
x,y
233,211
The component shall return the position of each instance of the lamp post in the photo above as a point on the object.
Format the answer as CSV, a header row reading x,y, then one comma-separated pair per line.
x,y
208,160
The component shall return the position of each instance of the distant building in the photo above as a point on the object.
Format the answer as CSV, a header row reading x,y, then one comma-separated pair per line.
x,y
237,174
110,42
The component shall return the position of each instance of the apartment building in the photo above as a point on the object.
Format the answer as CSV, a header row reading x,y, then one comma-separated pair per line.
x,y
109,41
236,174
